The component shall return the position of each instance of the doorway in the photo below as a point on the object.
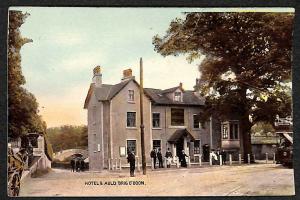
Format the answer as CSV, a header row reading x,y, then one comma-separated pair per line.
x,y
206,151
179,147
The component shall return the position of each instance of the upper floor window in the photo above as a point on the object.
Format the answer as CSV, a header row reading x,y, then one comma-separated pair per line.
x,y
177,117
130,95
177,96
196,119
234,131
224,131
230,130
155,120
131,119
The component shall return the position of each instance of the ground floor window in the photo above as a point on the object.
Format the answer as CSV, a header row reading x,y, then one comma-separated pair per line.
x,y
197,147
131,146
156,144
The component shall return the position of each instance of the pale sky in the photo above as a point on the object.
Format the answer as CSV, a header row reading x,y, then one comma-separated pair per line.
x,y
69,42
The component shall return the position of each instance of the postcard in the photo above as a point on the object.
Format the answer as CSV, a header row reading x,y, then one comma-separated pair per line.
x,y
155,101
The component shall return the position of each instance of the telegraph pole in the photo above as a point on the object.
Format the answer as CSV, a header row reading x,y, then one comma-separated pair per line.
x,y
142,118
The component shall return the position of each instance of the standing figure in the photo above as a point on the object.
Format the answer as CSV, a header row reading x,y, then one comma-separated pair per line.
x,y
169,157
223,154
72,165
160,160
218,153
131,161
82,164
153,156
182,159
213,157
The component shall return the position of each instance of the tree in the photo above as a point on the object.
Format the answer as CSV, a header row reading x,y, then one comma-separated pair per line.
x,y
22,105
247,63
73,137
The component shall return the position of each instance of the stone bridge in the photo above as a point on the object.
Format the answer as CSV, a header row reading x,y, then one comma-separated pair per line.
x,y
62,155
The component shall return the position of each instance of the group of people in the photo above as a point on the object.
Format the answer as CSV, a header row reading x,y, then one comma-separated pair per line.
x,y
156,154
77,164
215,156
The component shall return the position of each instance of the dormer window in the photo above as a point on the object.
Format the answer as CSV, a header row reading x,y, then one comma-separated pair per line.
x,y
130,95
177,96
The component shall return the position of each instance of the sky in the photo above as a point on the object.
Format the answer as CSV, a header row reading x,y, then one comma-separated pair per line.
x,y
69,42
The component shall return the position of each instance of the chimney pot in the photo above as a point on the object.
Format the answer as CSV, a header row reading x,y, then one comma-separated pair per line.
x,y
97,78
127,74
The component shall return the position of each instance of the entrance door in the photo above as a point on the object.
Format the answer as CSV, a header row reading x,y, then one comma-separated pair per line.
x,y
179,147
206,151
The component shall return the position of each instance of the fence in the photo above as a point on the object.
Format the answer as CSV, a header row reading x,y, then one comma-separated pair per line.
x,y
115,164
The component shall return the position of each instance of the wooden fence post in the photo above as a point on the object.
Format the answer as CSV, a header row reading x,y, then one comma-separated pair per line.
x,y
248,155
200,160
120,164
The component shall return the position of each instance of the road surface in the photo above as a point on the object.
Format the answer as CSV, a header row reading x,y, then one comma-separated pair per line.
x,y
249,180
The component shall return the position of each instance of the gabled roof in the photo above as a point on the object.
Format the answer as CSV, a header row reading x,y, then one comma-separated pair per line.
x,y
178,134
157,96
106,92
173,89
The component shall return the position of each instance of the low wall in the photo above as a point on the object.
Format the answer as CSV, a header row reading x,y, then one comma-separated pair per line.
x,y
43,163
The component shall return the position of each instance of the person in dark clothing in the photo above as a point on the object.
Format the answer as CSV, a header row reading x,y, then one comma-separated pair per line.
x,y
218,153
168,157
160,160
223,154
153,155
72,165
182,159
131,161
82,165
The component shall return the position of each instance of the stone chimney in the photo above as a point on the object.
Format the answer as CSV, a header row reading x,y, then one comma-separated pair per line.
x,y
180,86
97,78
127,74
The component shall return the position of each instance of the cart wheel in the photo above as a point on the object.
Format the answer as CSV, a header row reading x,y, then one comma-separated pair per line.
x,y
14,186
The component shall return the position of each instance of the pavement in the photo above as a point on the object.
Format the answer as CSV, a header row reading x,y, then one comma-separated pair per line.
x,y
241,180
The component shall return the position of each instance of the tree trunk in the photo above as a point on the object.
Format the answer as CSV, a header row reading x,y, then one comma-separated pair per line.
x,y
245,126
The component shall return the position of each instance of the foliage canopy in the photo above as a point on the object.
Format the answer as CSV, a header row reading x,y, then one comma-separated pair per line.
x,y
247,62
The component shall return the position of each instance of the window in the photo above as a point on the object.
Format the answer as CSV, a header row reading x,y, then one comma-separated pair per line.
x,y
156,144
196,120
130,95
131,146
155,120
197,147
131,119
230,130
177,96
224,131
236,131
177,117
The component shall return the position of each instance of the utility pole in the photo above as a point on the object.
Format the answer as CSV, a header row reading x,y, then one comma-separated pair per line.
x,y
142,117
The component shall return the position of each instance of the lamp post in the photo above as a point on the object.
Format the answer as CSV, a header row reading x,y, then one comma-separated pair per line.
x,y
142,118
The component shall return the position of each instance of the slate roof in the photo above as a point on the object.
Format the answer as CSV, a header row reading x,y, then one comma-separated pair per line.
x,y
179,133
157,96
